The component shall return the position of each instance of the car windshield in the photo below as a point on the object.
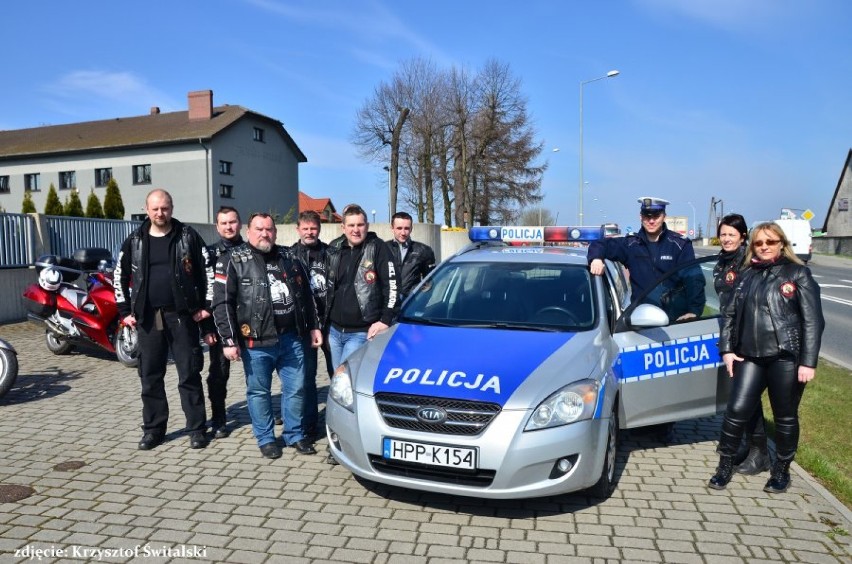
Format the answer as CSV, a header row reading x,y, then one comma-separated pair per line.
x,y
505,295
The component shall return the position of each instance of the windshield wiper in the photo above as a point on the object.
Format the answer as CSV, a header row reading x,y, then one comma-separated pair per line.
x,y
505,325
425,321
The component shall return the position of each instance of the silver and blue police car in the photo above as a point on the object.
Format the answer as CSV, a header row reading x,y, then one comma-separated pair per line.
x,y
511,371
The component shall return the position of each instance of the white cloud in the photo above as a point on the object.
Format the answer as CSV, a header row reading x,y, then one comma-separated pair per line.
x,y
80,92
371,26
730,15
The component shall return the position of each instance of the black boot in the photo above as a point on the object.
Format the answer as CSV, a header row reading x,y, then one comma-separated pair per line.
x,y
742,452
779,478
724,473
758,459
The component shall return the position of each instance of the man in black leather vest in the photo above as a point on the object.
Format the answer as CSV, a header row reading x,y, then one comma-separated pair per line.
x,y
362,286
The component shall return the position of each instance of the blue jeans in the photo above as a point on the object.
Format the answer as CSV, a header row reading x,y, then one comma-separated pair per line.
x,y
343,344
288,360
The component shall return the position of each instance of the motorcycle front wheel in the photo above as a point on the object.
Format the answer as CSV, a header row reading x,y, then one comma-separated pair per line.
x,y
56,344
127,347
8,370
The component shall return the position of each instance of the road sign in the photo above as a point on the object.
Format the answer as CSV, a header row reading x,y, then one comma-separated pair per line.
x,y
808,214
691,232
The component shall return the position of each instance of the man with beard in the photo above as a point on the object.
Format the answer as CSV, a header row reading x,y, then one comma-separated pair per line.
x,y
164,261
312,252
264,311
228,225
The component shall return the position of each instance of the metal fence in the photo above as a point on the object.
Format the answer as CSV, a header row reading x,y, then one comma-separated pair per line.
x,y
67,234
17,240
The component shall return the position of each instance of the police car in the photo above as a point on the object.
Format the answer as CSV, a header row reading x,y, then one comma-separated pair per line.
x,y
511,371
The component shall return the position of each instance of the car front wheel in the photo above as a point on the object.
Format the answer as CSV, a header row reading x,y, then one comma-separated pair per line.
x,y
606,483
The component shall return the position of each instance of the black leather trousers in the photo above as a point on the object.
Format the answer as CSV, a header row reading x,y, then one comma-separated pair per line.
x,y
778,374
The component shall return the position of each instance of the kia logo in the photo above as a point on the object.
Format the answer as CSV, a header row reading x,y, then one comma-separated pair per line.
x,y
431,415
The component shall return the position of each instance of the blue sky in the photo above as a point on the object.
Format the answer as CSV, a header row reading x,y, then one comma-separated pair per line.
x,y
747,101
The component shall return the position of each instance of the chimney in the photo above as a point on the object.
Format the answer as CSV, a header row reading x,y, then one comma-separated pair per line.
x,y
200,104
155,110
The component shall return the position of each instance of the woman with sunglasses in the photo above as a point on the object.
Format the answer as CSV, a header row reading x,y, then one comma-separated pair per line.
x,y
770,339
752,456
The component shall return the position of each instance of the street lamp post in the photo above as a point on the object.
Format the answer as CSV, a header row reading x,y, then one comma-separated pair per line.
x,y
694,222
390,210
374,216
610,74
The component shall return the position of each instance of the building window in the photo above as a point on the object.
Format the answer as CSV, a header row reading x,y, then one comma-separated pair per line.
x,y
67,180
226,191
225,167
258,134
138,216
102,176
4,185
31,182
142,174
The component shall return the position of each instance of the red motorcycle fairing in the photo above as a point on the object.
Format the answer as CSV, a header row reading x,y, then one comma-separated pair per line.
x,y
39,302
80,315
92,312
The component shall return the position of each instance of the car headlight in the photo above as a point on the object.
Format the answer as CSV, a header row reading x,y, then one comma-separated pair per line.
x,y
567,405
340,389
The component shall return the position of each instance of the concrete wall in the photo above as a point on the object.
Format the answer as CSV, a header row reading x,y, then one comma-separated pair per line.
x,y
833,245
14,281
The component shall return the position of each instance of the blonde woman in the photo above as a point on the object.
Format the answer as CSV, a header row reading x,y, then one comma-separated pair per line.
x,y
770,339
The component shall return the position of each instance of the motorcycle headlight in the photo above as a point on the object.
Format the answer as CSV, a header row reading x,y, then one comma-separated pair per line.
x,y
572,403
340,389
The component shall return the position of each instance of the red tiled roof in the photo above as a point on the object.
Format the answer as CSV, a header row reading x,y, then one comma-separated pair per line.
x,y
320,205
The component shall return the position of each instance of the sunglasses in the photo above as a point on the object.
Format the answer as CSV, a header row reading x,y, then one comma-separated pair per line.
x,y
651,215
767,242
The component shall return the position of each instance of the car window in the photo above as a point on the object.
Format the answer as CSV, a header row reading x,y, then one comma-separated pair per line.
x,y
530,295
685,290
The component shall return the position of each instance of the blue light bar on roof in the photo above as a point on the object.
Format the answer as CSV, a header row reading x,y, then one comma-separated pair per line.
x,y
535,234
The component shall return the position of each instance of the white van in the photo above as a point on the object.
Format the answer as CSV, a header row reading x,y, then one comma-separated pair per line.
x,y
798,232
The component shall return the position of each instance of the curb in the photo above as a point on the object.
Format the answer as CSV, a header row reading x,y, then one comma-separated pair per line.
x,y
824,493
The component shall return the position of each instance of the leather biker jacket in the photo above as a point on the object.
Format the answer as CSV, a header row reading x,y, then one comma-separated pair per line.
x,y
189,271
242,302
419,262
784,299
375,279
727,273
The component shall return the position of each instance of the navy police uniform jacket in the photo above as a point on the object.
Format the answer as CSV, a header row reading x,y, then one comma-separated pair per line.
x,y
647,261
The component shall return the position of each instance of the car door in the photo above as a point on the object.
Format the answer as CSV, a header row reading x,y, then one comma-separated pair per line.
x,y
671,370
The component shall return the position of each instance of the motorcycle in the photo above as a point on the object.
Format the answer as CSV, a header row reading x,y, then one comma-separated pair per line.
x,y
8,367
74,315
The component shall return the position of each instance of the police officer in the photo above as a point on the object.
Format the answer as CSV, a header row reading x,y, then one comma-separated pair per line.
x,y
650,253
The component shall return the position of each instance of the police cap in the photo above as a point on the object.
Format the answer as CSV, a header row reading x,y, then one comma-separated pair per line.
x,y
652,205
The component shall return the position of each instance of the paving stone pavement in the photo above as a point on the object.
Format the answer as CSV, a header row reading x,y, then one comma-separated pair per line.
x,y
228,504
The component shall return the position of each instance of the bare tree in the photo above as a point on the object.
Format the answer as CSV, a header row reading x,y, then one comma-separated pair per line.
x,y
537,215
379,128
462,144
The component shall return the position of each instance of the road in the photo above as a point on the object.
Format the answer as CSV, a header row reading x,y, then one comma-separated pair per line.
x,y
834,276
69,427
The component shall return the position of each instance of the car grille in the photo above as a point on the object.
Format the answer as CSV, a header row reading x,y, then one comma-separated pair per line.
x,y
463,417
473,478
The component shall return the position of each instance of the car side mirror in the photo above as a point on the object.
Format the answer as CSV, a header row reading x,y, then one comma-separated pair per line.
x,y
647,315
